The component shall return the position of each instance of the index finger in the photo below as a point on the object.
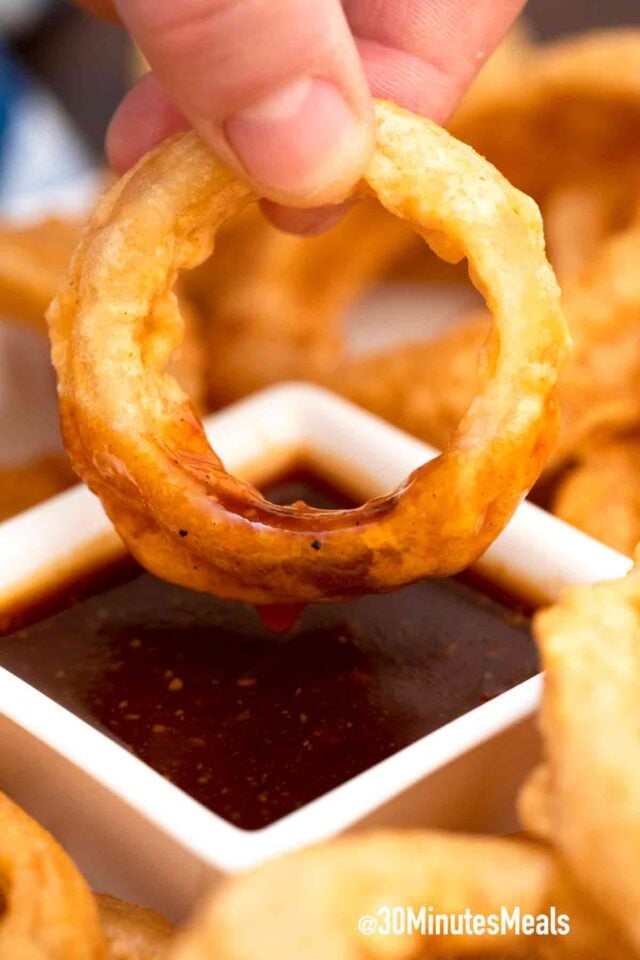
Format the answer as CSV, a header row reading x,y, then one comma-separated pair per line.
x,y
422,54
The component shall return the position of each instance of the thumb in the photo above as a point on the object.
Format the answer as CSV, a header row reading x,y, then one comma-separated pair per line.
x,y
277,89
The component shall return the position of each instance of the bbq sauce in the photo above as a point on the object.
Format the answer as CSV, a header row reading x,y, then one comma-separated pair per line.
x,y
255,724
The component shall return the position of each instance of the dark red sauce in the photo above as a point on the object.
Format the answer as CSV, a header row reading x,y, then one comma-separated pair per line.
x,y
255,724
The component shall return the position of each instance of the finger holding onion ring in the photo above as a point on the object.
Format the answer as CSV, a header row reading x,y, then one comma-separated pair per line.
x,y
135,440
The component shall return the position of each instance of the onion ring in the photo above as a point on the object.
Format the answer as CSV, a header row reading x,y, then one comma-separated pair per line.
x,y
307,906
601,493
133,932
575,101
49,912
574,104
133,437
590,719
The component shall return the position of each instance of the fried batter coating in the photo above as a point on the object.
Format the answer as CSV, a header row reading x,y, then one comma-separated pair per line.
x,y
590,646
48,911
598,387
33,262
565,127
133,932
601,494
132,434
575,102
307,906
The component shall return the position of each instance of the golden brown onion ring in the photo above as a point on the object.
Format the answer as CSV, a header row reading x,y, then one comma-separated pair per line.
x,y
33,262
601,493
590,644
307,906
574,102
133,932
580,216
48,911
598,389
133,437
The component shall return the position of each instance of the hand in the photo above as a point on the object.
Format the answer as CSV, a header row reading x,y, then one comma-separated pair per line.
x,y
281,89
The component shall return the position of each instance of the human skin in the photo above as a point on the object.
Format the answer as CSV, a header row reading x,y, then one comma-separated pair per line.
x,y
282,89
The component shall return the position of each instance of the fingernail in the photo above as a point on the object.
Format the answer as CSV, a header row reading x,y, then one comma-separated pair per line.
x,y
303,143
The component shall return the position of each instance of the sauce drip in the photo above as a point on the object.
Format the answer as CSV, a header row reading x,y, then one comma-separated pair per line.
x,y
279,617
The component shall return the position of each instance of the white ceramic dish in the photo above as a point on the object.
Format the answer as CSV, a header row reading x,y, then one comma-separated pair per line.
x,y
128,828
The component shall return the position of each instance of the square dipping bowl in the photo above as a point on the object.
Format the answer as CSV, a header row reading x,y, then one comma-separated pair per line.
x,y
136,834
